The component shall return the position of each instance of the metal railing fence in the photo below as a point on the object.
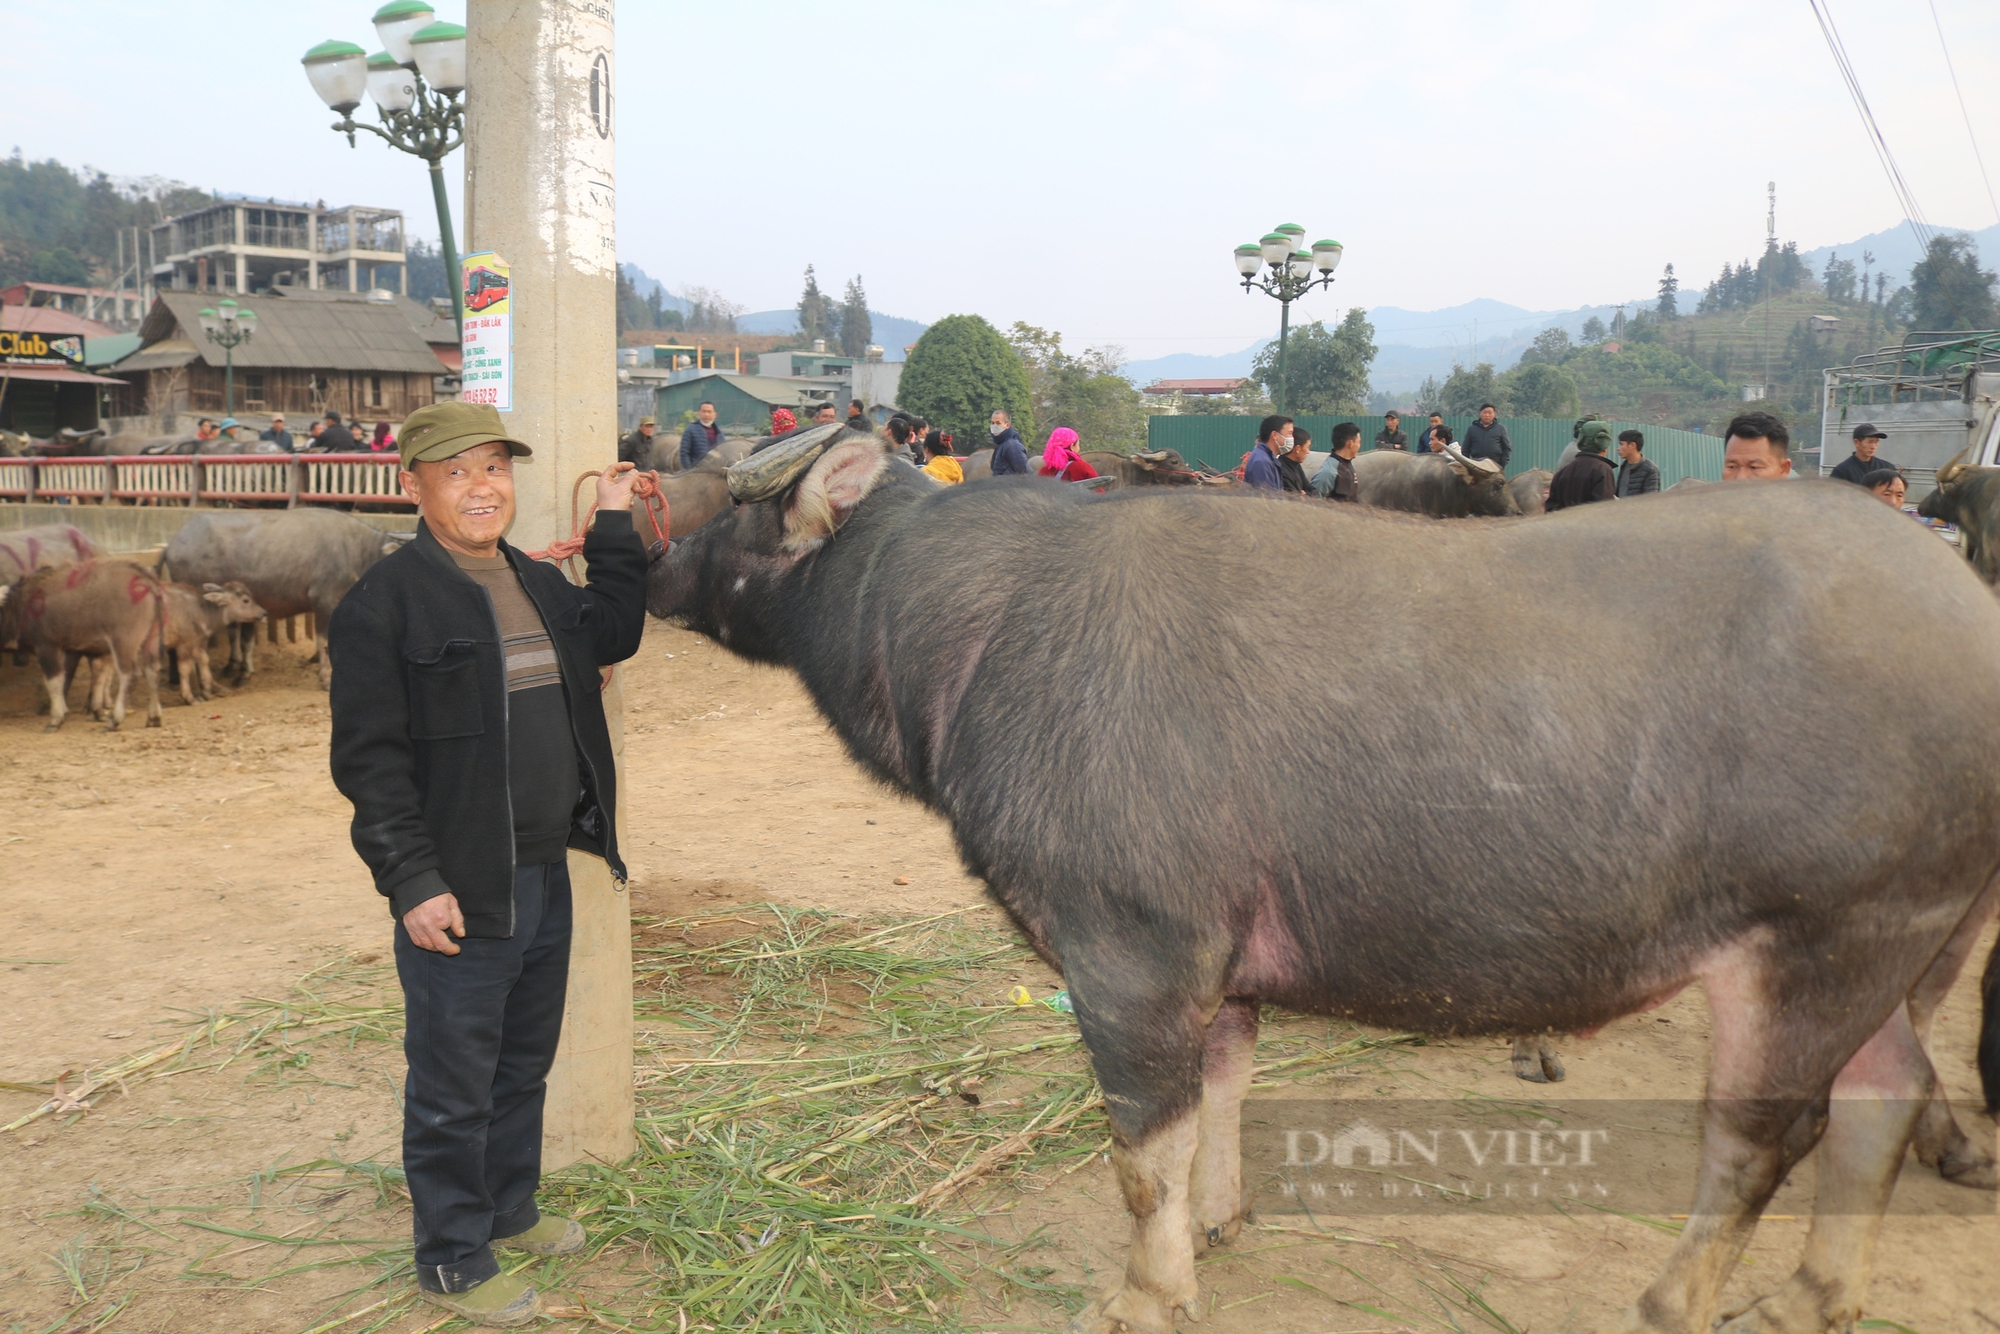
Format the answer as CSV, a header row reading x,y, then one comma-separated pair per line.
x,y
195,479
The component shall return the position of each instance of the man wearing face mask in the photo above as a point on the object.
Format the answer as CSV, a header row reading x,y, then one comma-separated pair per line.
x,y
1010,456
1274,441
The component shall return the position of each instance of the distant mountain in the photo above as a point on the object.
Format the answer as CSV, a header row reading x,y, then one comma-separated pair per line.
x,y
1895,251
891,333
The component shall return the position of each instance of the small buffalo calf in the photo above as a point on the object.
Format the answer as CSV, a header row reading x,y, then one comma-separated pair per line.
x,y
194,615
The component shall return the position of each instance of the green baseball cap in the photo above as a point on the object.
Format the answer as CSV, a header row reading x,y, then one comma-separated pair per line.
x,y
445,429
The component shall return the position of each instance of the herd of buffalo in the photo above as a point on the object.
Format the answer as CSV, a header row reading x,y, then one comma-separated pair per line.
x,y
1508,776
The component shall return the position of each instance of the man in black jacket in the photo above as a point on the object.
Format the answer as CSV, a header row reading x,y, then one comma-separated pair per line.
x,y
1588,477
1486,438
1392,435
468,733
1637,475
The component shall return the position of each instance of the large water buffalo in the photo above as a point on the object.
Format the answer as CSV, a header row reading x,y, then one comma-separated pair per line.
x,y
23,550
666,456
1361,852
699,494
1440,485
1528,492
292,561
113,610
1970,498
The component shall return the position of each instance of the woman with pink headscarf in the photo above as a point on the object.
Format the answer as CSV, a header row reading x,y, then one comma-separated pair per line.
x,y
1060,458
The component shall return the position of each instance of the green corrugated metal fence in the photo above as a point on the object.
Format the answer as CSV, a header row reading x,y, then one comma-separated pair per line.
x,y
1221,442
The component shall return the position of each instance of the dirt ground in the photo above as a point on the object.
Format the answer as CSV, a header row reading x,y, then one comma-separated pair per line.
x,y
158,876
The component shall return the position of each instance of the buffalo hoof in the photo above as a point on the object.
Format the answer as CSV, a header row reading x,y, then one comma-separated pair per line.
x,y
1537,1062
1129,1310
1966,1166
52,727
154,721
1796,1308
111,726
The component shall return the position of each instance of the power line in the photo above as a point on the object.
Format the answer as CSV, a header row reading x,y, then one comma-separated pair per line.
x,y
1977,156
1912,213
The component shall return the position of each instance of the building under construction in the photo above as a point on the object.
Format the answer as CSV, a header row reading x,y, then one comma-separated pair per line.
x,y
242,246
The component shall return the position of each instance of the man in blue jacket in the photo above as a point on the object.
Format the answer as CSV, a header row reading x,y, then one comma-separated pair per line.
x,y
1010,456
701,435
1260,466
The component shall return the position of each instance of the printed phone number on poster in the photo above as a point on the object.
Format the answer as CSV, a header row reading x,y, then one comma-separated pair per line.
x,y
487,396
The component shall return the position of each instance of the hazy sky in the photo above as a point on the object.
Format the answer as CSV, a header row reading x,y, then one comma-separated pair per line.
x,y
1089,167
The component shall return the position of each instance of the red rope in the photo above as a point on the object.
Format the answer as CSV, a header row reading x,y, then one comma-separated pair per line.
x,y
645,488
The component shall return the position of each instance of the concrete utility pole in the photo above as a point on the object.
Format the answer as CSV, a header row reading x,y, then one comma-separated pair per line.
x,y
539,158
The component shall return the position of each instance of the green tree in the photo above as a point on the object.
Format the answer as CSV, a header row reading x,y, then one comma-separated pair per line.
x,y
1593,330
1464,390
58,265
1550,347
46,207
1670,286
817,316
1084,392
1948,289
857,331
1248,401
1538,389
959,372
1326,370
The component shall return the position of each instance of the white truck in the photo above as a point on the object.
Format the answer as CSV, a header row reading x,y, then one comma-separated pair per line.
x,y
1932,397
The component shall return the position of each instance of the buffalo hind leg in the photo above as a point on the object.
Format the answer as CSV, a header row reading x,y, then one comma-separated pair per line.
x,y
1218,1204
118,684
1536,1061
1877,1098
1940,1143
1753,1133
1145,1038
1989,1032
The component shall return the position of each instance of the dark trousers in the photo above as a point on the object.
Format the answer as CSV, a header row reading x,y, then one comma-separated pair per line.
x,y
482,1030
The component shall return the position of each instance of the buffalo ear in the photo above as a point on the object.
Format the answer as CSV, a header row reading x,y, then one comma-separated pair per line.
x,y
838,482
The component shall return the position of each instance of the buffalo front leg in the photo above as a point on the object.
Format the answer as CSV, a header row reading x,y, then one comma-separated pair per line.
x,y
1146,1045
56,679
1876,1101
1217,1201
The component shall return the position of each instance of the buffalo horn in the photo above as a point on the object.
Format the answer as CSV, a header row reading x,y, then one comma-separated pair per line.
x,y
1953,468
1474,471
769,471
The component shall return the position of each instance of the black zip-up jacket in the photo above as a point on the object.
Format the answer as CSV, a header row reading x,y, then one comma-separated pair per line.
x,y
419,706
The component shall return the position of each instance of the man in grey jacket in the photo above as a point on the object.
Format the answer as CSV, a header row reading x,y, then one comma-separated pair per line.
x,y
1638,474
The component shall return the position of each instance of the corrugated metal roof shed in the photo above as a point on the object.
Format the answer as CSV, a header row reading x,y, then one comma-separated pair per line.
x,y
303,335
49,320
432,325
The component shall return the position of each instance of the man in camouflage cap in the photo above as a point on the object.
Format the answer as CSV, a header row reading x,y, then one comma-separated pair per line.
x,y
468,733
636,446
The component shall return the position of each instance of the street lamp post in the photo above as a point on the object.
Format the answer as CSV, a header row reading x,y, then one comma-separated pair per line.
x,y
1290,276
418,84
229,326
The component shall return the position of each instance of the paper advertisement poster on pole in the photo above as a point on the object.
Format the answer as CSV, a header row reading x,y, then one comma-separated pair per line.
x,y
487,375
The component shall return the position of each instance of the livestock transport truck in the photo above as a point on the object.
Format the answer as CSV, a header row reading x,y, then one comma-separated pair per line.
x,y
1933,396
